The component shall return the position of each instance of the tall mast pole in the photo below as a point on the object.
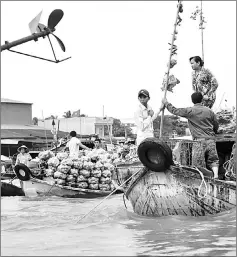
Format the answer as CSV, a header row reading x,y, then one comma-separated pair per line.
x,y
170,56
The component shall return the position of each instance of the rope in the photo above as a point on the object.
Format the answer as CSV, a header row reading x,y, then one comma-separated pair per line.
x,y
32,56
229,165
124,201
50,189
52,49
12,180
203,181
106,197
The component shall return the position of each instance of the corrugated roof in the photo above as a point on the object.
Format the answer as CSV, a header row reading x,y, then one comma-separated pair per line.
x,y
16,126
6,100
28,134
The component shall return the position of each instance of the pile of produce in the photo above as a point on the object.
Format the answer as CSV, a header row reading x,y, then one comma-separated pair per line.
x,y
91,169
227,121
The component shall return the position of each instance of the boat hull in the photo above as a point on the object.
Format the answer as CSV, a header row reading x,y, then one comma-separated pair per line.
x,y
177,191
48,188
8,189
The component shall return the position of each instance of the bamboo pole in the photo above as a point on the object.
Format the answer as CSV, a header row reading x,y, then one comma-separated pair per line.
x,y
108,196
171,49
201,22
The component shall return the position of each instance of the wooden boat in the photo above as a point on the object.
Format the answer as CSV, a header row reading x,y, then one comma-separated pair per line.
x,y
182,189
8,189
46,186
39,187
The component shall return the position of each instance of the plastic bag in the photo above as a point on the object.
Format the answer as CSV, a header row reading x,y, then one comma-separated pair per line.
x,y
96,173
68,162
85,173
81,178
93,180
94,186
104,180
82,185
54,162
62,155
106,173
45,155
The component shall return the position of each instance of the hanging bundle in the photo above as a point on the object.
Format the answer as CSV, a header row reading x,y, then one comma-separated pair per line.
x,y
169,82
172,80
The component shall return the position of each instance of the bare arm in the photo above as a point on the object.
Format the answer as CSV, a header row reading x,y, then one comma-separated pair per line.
x,y
83,146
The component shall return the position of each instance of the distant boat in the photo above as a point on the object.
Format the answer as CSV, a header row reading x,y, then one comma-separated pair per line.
x,y
8,189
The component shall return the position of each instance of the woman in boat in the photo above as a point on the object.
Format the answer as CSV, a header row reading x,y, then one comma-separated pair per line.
x,y
144,117
23,157
203,81
203,126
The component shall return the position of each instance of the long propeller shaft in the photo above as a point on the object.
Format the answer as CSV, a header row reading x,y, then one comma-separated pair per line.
x,y
35,36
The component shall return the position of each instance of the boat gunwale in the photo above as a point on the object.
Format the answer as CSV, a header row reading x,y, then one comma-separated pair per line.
x,y
227,184
76,189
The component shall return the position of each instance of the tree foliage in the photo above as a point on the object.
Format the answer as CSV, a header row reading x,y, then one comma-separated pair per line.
x,y
171,123
52,117
35,121
67,114
119,128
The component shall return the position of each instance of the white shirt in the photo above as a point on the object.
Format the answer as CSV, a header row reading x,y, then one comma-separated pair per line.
x,y
144,123
73,146
23,158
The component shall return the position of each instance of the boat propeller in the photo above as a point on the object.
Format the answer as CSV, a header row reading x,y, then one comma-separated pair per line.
x,y
40,30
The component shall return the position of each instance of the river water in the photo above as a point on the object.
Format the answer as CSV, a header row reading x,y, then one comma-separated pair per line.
x,y
49,226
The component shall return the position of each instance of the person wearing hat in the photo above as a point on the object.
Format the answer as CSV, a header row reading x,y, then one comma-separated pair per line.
x,y
23,157
144,117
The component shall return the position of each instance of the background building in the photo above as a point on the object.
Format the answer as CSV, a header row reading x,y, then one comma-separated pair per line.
x,y
17,128
82,125
15,112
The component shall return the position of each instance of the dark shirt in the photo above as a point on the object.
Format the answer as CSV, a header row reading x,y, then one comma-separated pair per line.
x,y
202,121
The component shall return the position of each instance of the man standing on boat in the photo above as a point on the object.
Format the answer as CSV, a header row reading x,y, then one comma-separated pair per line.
x,y
203,81
74,144
203,126
144,117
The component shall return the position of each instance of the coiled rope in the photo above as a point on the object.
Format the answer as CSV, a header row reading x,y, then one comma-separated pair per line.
x,y
203,182
230,165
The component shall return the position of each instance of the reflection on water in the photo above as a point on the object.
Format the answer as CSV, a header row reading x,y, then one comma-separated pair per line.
x,y
48,226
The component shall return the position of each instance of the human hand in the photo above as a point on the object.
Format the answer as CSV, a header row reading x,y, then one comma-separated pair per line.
x,y
162,107
164,101
151,113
